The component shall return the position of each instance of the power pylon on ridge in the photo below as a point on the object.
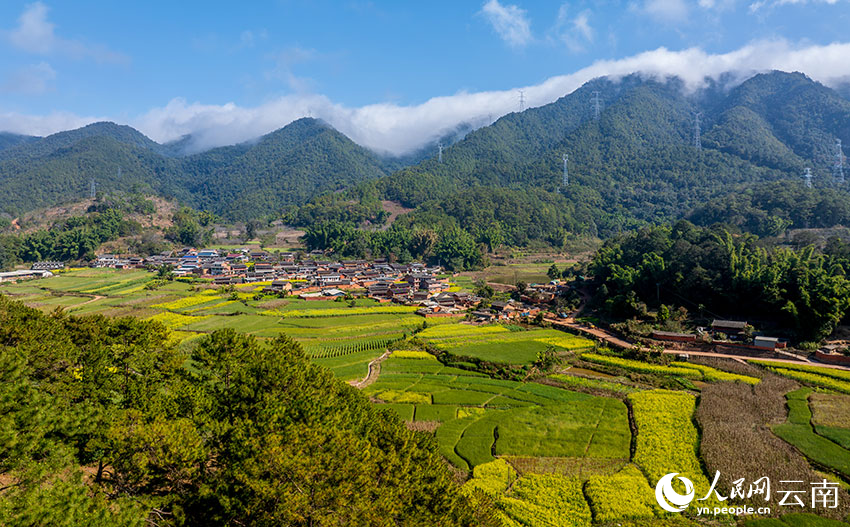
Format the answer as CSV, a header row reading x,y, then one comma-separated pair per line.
x,y
440,152
521,100
807,177
566,179
838,168
697,131
597,104
92,189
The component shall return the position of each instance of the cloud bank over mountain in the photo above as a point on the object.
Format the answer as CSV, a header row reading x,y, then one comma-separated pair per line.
x,y
396,129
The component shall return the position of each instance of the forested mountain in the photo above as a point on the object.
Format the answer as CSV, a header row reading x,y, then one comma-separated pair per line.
x,y
634,164
286,167
250,180
8,140
637,160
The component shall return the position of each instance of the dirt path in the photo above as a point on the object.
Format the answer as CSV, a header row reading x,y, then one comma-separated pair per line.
x,y
374,371
93,299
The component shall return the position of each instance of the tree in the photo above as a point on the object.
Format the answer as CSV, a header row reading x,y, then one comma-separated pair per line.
x,y
553,273
482,289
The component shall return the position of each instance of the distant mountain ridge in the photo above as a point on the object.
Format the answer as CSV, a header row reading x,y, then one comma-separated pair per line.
x,y
9,140
282,169
636,163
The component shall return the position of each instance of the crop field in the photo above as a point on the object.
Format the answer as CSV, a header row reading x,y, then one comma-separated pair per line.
x,y
831,417
822,377
587,382
481,416
676,369
496,343
842,375
798,431
342,337
625,495
666,437
547,454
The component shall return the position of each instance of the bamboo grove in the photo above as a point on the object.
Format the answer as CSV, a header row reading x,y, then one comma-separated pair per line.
x,y
804,291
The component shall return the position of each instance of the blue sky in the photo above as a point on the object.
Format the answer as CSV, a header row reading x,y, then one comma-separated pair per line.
x,y
390,74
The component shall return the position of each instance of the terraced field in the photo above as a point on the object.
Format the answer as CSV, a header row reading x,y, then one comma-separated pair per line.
x,y
483,417
341,337
547,454
496,343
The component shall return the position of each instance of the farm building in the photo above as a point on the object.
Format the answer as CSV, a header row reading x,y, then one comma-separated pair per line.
x,y
768,343
729,327
673,336
14,276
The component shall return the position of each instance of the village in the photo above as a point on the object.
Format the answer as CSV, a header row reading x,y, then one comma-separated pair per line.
x,y
312,276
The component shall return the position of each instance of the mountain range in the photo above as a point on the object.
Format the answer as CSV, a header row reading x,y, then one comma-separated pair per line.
x,y
636,162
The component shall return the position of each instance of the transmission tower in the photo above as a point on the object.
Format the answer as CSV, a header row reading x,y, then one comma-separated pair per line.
x,y
697,124
566,180
838,169
92,189
521,100
597,104
807,177
440,152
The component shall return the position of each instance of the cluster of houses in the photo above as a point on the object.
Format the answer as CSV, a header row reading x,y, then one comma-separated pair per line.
x,y
312,277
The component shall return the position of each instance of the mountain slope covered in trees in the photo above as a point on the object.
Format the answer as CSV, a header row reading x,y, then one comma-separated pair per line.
x,y
635,164
106,423
638,161
281,169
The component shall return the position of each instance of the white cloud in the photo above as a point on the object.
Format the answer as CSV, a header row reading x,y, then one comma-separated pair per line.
x,y
35,34
718,5
397,129
30,80
575,33
755,6
509,21
43,124
668,11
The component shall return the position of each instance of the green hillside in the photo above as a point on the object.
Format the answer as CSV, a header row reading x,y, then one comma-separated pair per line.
x,y
281,169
